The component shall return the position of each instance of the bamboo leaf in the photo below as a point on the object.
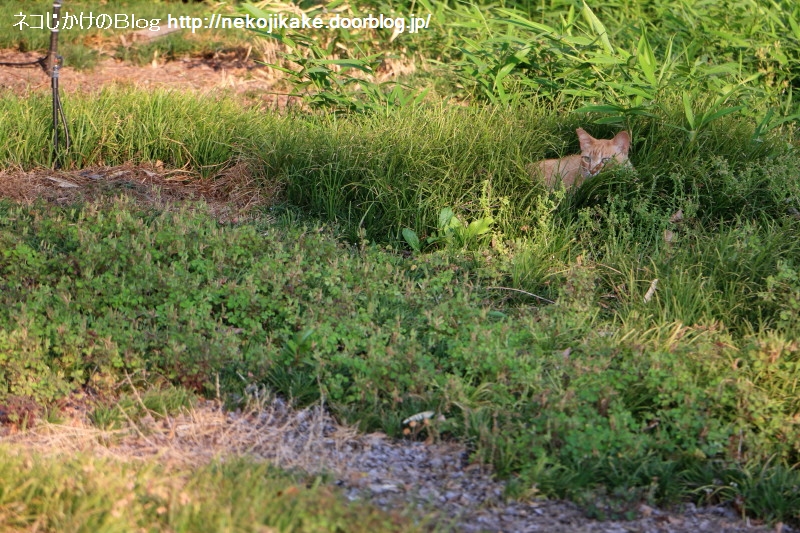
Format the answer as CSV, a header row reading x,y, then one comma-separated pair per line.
x,y
600,109
667,60
514,18
597,27
795,27
707,119
646,59
687,109
610,120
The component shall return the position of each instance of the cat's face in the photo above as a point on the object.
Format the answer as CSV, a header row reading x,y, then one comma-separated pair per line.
x,y
597,154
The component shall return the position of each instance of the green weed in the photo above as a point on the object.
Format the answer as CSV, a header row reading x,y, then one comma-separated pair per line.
x,y
592,398
87,494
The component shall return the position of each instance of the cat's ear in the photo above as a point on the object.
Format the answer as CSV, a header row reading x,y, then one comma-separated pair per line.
x,y
584,139
623,142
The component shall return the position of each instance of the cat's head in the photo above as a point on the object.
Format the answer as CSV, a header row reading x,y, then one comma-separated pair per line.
x,y
598,154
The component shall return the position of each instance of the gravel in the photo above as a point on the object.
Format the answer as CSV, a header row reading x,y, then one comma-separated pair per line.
x,y
445,490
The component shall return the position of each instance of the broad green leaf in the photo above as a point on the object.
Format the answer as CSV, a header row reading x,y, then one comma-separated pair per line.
x,y
317,70
285,40
503,72
420,96
732,39
629,90
576,40
763,125
784,120
347,63
411,238
586,93
283,69
254,11
610,120
480,226
445,216
795,27
440,13
667,60
600,59
427,5
455,223
750,78
639,111
725,68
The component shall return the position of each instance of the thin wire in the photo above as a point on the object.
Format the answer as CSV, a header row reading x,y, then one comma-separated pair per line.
x,y
39,62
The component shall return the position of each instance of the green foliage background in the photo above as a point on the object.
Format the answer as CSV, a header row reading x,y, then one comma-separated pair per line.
x,y
612,395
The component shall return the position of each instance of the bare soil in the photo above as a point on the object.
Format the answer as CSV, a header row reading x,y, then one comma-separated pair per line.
x,y
235,72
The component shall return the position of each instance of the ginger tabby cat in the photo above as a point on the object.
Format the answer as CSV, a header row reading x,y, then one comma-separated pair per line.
x,y
596,154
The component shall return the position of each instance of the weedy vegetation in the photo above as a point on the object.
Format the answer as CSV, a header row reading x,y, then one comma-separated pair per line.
x,y
94,29
634,340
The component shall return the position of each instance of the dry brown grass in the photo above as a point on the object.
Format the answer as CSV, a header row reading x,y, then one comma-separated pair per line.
x,y
229,196
308,440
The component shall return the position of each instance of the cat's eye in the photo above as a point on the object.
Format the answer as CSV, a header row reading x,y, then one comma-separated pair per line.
x,y
605,160
587,159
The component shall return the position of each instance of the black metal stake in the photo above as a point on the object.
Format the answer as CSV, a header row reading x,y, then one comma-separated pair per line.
x,y
51,64
54,64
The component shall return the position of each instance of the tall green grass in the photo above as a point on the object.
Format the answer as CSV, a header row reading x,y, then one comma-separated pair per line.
x,y
382,172
113,126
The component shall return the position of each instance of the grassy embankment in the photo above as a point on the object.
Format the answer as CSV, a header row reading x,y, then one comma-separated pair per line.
x,y
607,396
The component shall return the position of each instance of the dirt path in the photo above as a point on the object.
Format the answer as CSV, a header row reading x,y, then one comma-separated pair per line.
x,y
235,72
